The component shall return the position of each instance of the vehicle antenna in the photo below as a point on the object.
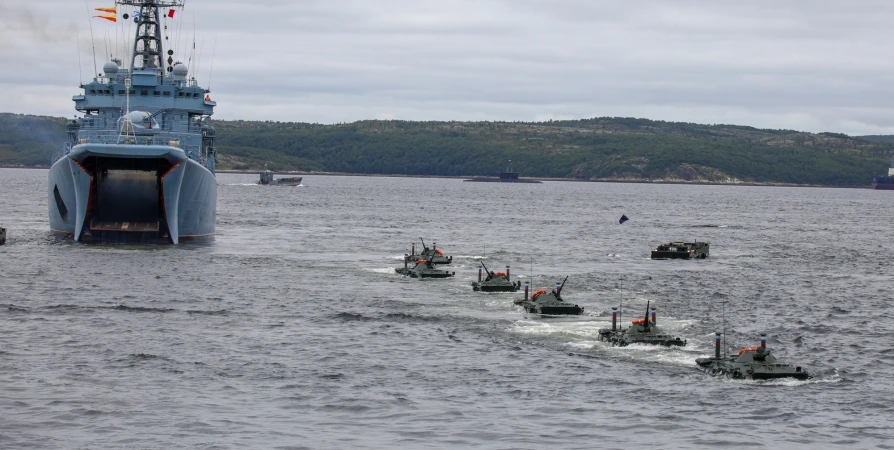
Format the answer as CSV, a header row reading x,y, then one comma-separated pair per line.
x,y
199,59
723,324
105,44
180,36
621,309
193,52
92,42
117,46
532,273
213,49
80,72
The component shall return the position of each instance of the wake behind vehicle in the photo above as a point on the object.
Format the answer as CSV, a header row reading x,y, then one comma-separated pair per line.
x,y
751,363
549,303
642,331
139,165
495,281
681,250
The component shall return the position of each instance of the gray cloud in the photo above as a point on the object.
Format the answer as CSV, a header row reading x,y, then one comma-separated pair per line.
x,y
808,65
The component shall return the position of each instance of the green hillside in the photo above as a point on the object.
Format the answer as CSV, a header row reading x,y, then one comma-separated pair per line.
x,y
29,140
589,149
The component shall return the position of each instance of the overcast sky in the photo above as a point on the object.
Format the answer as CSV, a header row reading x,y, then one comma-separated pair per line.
x,y
804,65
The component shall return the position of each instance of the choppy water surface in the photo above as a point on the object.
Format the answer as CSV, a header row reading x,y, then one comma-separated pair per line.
x,y
291,330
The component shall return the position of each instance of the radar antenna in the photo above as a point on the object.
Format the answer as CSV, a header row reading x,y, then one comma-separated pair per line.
x,y
147,45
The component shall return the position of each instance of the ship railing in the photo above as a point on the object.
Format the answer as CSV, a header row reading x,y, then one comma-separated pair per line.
x,y
168,123
112,137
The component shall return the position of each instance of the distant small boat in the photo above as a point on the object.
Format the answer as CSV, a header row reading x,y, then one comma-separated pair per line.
x,y
268,179
2,235
509,176
682,250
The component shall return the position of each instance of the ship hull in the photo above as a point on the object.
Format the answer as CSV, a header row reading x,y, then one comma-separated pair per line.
x,y
501,180
883,183
131,193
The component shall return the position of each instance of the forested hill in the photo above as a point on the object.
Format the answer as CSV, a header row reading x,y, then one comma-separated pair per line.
x,y
878,137
589,149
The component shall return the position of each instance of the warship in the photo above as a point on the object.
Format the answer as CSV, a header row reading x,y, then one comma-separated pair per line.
x,y
642,331
140,164
434,254
682,250
751,363
548,303
422,268
268,179
495,281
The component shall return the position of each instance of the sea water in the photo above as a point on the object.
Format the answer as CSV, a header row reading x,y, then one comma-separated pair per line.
x,y
290,329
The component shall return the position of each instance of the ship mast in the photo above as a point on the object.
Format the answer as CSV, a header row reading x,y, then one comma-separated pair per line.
x,y
147,45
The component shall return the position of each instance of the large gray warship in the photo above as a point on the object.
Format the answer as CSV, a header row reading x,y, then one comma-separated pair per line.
x,y
139,165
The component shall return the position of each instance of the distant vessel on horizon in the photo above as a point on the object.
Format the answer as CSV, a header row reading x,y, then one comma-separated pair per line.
x,y
139,165
885,183
509,176
267,178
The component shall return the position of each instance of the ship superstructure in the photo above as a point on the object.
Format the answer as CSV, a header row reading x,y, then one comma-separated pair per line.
x,y
139,164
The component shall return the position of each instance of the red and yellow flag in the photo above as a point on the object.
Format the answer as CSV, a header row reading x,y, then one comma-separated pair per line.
x,y
109,17
109,9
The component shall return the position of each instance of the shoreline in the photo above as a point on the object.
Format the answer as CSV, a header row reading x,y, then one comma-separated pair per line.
x,y
600,180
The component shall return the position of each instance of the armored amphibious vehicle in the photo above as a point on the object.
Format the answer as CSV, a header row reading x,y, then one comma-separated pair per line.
x,y
642,331
682,250
495,281
751,363
549,303
422,268
434,254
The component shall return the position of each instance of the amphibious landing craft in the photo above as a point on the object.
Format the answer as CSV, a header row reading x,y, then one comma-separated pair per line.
x,y
549,303
422,268
755,363
495,281
642,331
139,165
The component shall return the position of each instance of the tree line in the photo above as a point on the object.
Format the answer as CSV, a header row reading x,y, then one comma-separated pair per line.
x,y
603,148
